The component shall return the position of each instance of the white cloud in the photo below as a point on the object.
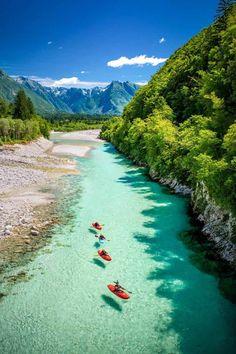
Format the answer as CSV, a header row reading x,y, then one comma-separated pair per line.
x,y
162,40
141,83
138,60
76,82
49,42
68,82
84,72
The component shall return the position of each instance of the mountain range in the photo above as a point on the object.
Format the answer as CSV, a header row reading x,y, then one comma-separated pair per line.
x,y
109,100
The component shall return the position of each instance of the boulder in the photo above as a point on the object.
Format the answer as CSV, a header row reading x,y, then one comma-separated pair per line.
x,y
34,232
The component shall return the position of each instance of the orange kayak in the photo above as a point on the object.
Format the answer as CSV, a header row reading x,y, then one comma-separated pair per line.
x,y
121,294
98,227
106,257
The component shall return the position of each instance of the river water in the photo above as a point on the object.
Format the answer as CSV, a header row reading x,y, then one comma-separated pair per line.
x,y
66,308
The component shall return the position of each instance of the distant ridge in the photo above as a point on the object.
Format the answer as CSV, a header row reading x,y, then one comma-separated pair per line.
x,y
9,88
109,100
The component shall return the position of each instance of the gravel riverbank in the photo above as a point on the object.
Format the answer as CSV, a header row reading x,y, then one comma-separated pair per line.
x,y
26,171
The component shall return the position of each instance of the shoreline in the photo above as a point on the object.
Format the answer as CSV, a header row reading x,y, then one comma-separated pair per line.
x,y
28,176
29,184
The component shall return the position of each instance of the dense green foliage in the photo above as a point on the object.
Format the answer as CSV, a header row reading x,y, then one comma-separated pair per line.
x,y
64,116
71,125
19,123
182,124
68,122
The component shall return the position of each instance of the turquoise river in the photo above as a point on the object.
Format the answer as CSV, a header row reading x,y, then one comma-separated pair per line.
x,y
177,304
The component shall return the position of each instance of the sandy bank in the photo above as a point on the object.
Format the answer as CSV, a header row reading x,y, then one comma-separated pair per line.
x,y
86,139
89,135
73,150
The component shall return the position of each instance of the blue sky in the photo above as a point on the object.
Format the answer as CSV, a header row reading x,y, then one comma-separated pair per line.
x,y
70,43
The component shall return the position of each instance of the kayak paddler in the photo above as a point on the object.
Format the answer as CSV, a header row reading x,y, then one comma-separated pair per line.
x,y
104,253
118,287
101,237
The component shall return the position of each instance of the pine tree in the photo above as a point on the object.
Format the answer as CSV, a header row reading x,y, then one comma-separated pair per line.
x,y
31,107
3,107
22,109
223,7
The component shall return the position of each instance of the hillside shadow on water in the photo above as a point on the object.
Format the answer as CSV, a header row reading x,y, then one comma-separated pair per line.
x,y
170,228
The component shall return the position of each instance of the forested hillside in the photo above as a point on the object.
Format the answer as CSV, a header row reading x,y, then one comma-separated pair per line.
x,y
182,124
9,88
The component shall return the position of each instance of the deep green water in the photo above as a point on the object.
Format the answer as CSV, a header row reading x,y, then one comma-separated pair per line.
x,y
66,308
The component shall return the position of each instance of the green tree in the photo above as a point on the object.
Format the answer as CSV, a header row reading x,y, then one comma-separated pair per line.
x,y
3,107
19,129
22,108
4,128
229,143
31,107
223,6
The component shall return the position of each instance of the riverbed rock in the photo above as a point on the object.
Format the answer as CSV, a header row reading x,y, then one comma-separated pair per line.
x,y
34,232
219,224
171,182
8,227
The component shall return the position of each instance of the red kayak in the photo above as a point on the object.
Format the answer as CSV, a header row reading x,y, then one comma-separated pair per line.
x,y
120,294
98,227
106,257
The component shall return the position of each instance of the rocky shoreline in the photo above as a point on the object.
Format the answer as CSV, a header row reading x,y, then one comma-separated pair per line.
x,y
27,171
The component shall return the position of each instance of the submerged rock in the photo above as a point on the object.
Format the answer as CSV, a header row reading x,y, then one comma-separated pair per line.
x,y
2,295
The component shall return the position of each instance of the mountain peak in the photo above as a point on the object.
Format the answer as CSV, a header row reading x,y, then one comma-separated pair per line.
x,y
98,100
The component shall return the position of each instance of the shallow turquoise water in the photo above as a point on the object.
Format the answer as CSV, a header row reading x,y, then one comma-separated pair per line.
x,y
66,306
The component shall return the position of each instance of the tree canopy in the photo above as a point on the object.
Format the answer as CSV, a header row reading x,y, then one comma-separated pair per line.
x,y
24,108
18,121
